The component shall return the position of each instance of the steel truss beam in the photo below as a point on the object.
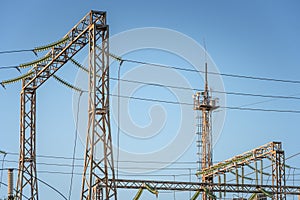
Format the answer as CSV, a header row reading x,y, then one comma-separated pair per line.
x,y
272,152
78,37
197,186
265,151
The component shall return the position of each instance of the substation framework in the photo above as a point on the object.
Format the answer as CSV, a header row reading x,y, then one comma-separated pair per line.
x,y
244,169
89,30
98,181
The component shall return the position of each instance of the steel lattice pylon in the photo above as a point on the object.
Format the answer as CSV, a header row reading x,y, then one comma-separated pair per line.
x,y
27,162
96,171
87,31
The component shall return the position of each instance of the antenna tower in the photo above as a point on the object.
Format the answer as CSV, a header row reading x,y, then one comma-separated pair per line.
x,y
204,104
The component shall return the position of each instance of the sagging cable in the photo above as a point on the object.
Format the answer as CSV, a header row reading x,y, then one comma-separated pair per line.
x,y
284,165
35,62
245,177
117,58
14,80
287,166
114,56
253,196
253,168
3,152
80,66
138,194
65,83
209,193
18,69
51,45
196,195
2,166
268,194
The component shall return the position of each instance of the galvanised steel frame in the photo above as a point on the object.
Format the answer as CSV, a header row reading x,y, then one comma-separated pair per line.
x,y
272,152
97,171
96,183
198,186
91,28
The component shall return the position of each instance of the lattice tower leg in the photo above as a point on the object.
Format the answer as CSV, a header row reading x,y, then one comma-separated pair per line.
x,y
278,175
27,183
98,164
206,149
198,128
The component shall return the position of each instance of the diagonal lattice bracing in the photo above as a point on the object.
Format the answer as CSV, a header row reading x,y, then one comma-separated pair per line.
x,y
27,182
78,37
198,186
98,166
261,166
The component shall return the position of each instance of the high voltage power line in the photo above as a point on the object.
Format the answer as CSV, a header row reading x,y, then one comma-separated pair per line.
x,y
197,89
213,73
190,104
80,166
185,88
11,67
242,108
81,159
214,91
30,150
225,107
188,70
127,161
40,180
18,51
143,175
136,168
121,60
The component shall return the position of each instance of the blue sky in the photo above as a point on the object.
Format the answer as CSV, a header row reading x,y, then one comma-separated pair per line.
x,y
255,38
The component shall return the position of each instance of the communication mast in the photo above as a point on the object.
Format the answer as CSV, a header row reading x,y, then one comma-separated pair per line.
x,y
204,104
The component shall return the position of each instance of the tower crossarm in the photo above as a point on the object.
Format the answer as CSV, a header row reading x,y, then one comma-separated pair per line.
x,y
198,186
265,151
77,38
59,54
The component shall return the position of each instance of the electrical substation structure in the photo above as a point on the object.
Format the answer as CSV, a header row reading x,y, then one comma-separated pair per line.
x,y
204,105
242,174
89,30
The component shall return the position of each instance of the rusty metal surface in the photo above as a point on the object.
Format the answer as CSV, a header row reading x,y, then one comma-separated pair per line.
x,y
78,37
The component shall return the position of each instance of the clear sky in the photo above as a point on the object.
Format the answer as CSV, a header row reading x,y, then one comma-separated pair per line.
x,y
253,38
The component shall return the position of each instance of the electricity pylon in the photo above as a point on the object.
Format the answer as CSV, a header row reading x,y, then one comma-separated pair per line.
x,y
88,30
97,170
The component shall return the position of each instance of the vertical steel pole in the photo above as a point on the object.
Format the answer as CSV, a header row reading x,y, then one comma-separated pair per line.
x,y
98,164
27,174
